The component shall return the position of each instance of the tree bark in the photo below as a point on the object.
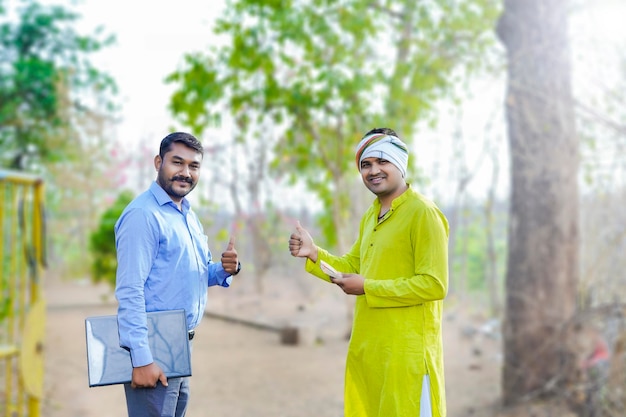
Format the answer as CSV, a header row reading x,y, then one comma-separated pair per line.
x,y
542,265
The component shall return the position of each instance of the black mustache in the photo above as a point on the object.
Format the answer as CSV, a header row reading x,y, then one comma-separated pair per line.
x,y
186,179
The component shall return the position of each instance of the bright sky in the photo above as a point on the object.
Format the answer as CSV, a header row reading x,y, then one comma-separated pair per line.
x,y
152,37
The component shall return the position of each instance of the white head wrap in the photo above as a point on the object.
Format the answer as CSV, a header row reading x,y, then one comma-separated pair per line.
x,y
388,147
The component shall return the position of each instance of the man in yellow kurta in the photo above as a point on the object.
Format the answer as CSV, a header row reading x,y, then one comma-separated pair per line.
x,y
398,270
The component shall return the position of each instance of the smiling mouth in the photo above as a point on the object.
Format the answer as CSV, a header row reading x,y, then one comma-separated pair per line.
x,y
182,179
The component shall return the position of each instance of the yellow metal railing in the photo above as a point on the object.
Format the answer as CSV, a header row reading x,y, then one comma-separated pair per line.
x,y
22,308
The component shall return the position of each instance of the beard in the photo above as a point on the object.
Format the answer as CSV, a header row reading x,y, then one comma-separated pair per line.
x,y
171,186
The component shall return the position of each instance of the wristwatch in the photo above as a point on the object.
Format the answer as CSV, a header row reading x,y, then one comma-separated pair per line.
x,y
238,268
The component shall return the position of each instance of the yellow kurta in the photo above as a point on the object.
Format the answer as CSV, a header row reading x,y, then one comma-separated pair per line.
x,y
396,335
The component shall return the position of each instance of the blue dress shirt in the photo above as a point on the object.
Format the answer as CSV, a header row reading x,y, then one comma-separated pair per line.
x,y
164,263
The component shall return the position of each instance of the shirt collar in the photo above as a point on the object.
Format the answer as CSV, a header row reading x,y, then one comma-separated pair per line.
x,y
398,200
163,198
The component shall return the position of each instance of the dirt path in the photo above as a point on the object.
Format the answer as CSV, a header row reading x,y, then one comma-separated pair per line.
x,y
242,371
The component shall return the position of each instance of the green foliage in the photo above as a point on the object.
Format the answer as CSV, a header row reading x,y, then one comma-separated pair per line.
x,y
327,72
471,251
102,241
43,72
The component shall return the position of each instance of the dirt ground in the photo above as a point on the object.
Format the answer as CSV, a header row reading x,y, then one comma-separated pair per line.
x,y
240,365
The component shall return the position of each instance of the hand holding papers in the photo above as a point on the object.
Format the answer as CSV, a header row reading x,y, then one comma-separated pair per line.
x,y
332,272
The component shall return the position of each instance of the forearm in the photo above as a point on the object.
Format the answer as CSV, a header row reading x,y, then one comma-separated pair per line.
x,y
218,276
402,292
347,263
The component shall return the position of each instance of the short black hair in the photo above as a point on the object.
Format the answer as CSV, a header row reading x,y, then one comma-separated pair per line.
x,y
186,139
383,130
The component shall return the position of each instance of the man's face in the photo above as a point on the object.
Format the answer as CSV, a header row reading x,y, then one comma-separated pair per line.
x,y
381,177
178,171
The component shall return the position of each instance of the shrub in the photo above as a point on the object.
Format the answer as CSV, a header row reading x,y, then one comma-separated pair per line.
x,y
102,242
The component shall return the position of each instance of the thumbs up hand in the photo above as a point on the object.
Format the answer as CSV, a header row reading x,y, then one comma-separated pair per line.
x,y
230,261
301,244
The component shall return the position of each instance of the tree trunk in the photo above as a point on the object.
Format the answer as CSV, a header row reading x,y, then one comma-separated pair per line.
x,y
542,267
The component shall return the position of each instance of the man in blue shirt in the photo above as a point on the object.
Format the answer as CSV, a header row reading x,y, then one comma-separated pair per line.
x,y
164,263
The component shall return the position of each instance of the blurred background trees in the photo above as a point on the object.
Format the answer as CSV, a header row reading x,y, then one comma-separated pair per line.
x,y
55,107
45,71
543,264
304,83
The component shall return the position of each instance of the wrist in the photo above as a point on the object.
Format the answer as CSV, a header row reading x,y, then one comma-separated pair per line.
x,y
314,255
